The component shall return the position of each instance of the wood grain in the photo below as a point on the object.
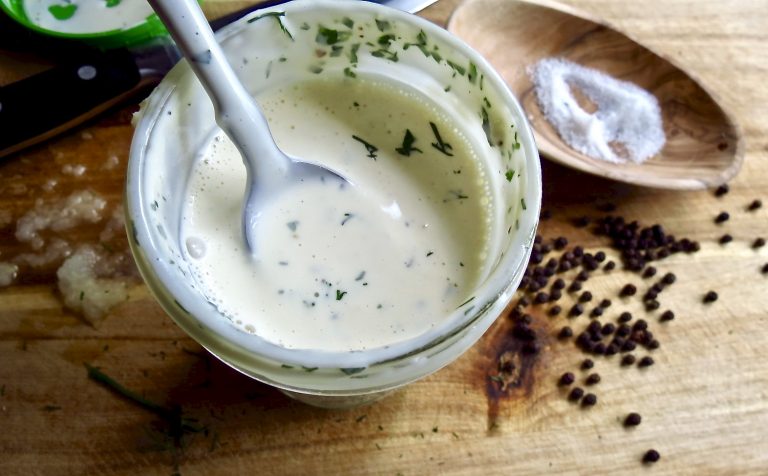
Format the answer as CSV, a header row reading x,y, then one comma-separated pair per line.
x,y
704,146
704,404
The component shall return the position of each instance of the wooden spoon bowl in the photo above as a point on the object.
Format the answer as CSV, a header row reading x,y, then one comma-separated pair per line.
x,y
704,145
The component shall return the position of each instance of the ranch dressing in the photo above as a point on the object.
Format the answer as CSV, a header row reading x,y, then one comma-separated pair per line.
x,y
86,16
344,267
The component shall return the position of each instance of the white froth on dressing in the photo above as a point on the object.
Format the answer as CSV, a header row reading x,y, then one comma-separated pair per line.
x,y
344,267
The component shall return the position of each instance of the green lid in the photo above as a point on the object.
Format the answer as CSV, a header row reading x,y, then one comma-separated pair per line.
x,y
150,27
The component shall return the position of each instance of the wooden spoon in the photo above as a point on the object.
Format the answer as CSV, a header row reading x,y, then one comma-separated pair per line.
x,y
704,145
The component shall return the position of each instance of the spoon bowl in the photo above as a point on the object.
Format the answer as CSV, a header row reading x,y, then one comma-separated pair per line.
x,y
269,170
704,145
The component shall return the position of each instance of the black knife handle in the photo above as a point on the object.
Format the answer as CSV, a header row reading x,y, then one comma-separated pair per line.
x,y
43,105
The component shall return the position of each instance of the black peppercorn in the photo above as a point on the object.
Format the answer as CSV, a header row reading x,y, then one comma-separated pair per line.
x,y
625,317
667,316
633,419
711,296
628,360
587,364
589,400
576,394
567,378
565,333
592,379
722,217
628,290
651,456
646,361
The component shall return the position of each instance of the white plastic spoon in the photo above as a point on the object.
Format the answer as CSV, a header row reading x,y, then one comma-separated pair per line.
x,y
269,170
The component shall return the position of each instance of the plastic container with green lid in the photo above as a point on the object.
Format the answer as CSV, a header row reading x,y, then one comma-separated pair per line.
x,y
68,12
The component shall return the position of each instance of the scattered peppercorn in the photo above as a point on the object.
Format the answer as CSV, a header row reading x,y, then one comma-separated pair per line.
x,y
721,190
633,419
710,297
605,303
555,310
576,310
628,346
625,317
574,287
609,266
555,295
651,456
649,272
764,270
652,305
567,378
669,278
628,360
755,205
628,290
582,276
558,284
587,364
623,330
560,242
596,312
758,243
565,333
607,329
576,394
581,222
541,298
667,316
593,379
589,400
722,217
600,256
646,361
725,239
653,344
640,325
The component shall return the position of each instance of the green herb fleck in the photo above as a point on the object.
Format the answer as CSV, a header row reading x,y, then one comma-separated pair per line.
x,y
336,50
328,36
407,148
430,254
82,295
349,73
315,69
522,202
386,54
443,147
293,225
482,80
510,174
458,68
472,73
353,53
486,125
277,16
305,26
286,366
346,21
113,3
383,25
340,294
309,369
466,302
368,147
386,40
347,217
360,276
447,88
352,370
487,102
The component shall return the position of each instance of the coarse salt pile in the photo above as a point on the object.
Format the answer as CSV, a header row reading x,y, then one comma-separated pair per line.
x,y
626,126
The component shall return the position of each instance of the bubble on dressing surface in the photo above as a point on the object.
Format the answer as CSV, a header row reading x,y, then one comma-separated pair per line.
x,y
195,247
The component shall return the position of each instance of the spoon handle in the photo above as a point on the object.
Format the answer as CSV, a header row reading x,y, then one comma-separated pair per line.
x,y
236,111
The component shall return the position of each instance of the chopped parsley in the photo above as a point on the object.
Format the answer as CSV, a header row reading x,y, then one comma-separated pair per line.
x,y
277,16
383,25
340,294
440,145
510,174
407,148
368,147
328,36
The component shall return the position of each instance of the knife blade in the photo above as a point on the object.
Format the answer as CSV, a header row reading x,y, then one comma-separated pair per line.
x,y
54,101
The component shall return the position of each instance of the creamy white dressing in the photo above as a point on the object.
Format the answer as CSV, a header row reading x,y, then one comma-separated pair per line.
x,y
344,267
86,16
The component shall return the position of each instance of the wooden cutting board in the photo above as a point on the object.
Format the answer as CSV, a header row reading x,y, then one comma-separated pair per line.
x,y
704,403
